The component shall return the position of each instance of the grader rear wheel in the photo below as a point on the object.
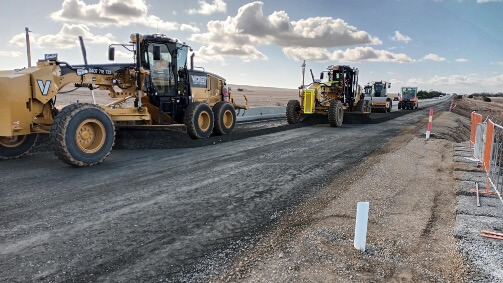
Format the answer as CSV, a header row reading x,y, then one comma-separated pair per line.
x,y
225,118
17,146
82,135
335,113
199,120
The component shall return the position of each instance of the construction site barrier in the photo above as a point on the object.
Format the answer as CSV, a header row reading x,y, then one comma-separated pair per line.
x,y
487,141
476,119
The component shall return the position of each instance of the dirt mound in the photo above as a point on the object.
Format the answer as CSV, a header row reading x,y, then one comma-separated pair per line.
x,y
450,126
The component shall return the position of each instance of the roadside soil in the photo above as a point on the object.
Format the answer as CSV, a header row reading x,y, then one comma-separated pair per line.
x,y
493,109
412,194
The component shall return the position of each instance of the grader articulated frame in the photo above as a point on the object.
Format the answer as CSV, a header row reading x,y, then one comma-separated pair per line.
x,y
165,93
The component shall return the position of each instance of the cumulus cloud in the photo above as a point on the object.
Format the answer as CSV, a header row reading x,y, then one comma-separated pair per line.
x,y
66,38
10,53
250,27
461,60
433,57
446,80
357,54
495,81
205,8
112,12
400,37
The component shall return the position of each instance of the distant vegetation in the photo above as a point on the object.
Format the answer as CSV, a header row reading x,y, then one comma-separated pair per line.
x,y
422,94
485,94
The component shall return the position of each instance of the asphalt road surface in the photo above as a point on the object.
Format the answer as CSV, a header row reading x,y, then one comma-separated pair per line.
x,y
176,214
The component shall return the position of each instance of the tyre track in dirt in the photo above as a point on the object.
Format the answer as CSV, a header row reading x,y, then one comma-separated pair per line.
x,y
176,214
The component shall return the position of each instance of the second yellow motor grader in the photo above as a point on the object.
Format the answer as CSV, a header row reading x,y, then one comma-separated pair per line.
x,y
164,91
336,91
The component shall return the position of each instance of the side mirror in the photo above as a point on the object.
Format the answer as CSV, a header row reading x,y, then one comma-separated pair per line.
x,y
111,53
389,85
157,53
321,76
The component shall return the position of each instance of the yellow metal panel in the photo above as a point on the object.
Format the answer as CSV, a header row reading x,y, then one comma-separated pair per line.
x,y
309,96
15,95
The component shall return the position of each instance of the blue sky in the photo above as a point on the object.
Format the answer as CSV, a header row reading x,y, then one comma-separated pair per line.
x,y
449,45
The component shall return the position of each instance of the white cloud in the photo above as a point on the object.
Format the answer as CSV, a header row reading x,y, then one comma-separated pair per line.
x,y
400,37
189,28
66,38
495,81
10,53
488,1
239,35
205,8
357,54
434,57
497,63
461,60
112,12
123,55
449,80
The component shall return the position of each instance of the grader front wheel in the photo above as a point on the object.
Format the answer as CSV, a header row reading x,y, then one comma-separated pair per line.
x,y
293,112
82,135
335,113
17,146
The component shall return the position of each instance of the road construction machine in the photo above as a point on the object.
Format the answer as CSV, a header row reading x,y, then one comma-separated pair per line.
x,y
336,91
376,92
408,98
158,91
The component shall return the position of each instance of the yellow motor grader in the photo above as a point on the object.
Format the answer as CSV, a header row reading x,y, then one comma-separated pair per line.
x,y
336,91
158,90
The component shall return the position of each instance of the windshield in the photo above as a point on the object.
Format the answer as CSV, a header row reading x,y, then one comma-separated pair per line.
x,y
161,70
368,90
378,89
408,92
182,56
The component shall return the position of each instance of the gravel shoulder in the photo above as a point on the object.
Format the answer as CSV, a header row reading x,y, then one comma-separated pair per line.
x,y
412,193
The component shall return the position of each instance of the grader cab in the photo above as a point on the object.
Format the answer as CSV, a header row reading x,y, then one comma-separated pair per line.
x,y
335,92
157,90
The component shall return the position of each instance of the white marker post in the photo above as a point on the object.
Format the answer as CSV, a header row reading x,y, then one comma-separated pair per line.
x,y
362,217
430,121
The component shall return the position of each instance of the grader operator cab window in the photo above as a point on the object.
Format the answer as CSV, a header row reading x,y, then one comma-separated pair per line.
x,y
161,71
368,91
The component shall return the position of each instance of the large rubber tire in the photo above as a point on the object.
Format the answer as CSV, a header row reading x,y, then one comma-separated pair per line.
x,y
390,106
335,113
225,118
293,112
15,147
199,120
359,106
82,134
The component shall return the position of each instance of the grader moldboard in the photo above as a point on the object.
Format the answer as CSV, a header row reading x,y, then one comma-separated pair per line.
x,y
336,91
165,94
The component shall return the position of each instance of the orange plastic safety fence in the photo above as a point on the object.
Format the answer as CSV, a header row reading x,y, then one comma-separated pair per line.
x,y
475,120
488,146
